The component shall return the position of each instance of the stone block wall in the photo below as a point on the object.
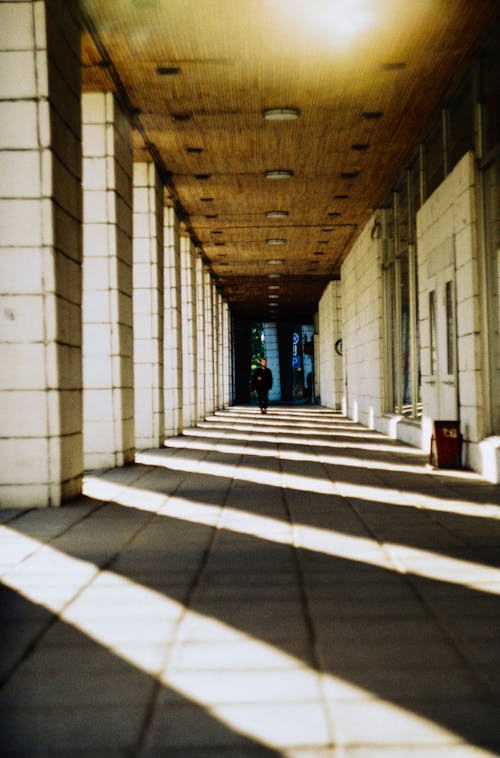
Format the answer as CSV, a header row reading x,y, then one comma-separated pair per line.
x,y
201,362
227,362
209,343
329,360
362,315
41,460
448,249
172,324
188,290
107,300
148,306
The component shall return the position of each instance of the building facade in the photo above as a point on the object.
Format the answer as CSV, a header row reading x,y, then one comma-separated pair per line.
x,y
418,295
114,335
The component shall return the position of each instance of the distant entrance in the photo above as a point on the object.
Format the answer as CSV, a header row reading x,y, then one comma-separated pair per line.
x,y
289,349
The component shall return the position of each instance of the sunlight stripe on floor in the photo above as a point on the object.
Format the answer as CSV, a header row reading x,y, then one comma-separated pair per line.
x,y
392,556
282,723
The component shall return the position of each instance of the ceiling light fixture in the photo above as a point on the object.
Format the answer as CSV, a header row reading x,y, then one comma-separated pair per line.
x,y
277,214
273,286
168,70
273,276
274,261
276,241
279,174
393,66
281,114
273,297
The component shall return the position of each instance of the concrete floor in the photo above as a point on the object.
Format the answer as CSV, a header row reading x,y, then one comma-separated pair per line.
x,y
282,585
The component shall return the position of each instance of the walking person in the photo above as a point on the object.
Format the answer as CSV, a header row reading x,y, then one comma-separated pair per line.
x,y
262,381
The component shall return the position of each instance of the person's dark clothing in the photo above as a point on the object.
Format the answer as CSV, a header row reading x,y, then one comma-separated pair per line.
x,y
262,381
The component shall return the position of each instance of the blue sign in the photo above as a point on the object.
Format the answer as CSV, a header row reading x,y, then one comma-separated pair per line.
x,y
296,338
296,361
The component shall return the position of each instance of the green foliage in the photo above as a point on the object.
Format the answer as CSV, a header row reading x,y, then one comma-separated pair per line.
x,y
258,350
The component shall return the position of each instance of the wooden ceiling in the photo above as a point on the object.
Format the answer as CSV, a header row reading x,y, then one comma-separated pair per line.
x,y
367,77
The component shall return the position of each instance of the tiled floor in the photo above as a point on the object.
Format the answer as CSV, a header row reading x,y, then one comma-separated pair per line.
x,y
291,584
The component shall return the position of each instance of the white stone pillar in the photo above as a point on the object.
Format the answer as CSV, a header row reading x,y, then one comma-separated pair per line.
x,y
188,331
220,353
148,306
173,325
330,360
41,454
200,339
227,372
215,317
209,344
108,399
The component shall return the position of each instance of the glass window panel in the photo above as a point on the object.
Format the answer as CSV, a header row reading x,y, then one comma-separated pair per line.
x,y
450,329
460,123
432,334
491,94
415,202
403,217
406,384
394,336
492,187
389,237
434,158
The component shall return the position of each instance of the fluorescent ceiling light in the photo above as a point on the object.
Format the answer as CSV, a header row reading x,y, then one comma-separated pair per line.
x,y
279,174
274,261
277,214
281,114
276,241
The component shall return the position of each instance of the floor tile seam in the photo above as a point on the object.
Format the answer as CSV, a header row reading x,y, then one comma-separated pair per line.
x,y
401,569
53,616
453,639
176,638
435,519
47,541
313,640
251,671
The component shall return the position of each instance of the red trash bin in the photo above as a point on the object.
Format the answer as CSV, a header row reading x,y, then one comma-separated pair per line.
x,y
446,445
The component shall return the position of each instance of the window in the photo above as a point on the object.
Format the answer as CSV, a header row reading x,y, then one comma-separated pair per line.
x,y
450,329
460,123
432,333
491,95
492,228
434,158
400,288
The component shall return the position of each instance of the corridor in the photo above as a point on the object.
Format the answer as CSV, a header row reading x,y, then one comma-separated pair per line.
x,y
284,585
